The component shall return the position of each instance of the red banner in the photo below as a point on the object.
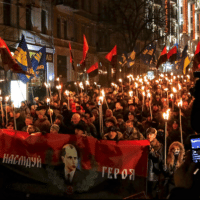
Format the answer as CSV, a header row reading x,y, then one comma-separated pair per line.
x,y
40,157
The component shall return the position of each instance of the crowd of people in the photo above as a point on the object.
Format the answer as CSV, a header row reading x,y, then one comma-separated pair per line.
x,y
131,110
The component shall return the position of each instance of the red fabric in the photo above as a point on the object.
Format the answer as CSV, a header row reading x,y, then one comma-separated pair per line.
x,y
164,51
8,62
85,49
113,52
172,52
196,61
122,155
71,57
197,49
93,67
163,57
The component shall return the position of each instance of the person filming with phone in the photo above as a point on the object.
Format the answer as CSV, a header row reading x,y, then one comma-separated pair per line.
x,y
187,176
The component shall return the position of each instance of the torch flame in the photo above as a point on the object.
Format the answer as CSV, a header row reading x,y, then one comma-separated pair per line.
x,y
48,100
6,98
166,114
67,92
46,85
101,99
180,103
103,93
58,87
174,90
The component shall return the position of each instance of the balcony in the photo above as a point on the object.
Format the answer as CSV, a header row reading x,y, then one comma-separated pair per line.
x,y
70,4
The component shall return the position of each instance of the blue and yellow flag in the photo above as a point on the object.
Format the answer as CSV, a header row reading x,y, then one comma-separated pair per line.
x,y
22,57
39,61
186,65
148,54
131,57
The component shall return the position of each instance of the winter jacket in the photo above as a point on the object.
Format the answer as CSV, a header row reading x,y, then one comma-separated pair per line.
x,y
43,124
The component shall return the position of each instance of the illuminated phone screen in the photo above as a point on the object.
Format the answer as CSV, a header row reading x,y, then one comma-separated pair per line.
x,y
195,147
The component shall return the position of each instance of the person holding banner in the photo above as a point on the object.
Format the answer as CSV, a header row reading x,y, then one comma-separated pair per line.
x,y
42,122
29,121
113,133
54,129
59,121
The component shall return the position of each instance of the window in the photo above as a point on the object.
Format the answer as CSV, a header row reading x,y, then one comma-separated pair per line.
x,y
44,22
65,30
7,12
58,28
28,19
62,66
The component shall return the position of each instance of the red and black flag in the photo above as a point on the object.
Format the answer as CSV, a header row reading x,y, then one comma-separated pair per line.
x,y
85,51
172,54
196,61
71,58
112,56
93,70
163,57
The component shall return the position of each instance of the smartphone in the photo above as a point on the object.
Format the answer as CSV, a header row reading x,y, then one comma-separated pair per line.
x,y
195,148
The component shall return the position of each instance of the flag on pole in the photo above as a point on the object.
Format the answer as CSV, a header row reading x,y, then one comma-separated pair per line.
x,y
186,65
131,57
163,57
71,58
172,54
184,52
39,61
7,60
22,56
85,51
196,61
112,56
183,57
93,70
148,53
